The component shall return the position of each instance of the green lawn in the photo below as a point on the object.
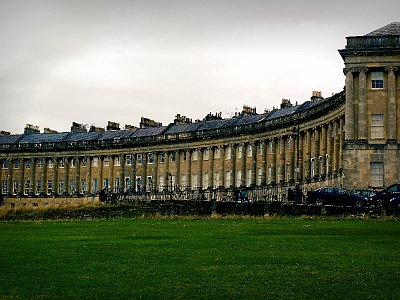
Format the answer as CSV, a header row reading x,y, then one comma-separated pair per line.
x,y
200,259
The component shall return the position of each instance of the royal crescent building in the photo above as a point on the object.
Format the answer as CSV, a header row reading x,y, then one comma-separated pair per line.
x,y
350,139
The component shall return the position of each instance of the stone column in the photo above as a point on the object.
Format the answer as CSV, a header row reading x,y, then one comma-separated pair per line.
x,y
282,162
122,173
392,107
336,146
44,177
189,168
100,170
317,153
211,167
66,175
78,186
307,157
323,150
144,172
273,161
292,160
341,143
200,168
330,149
133,172
21,177
362,104
178,181
222,166
89,175
9,177
111,172
155,171
300,160
32,177
264,163
350,116
233,164
244,158
253,163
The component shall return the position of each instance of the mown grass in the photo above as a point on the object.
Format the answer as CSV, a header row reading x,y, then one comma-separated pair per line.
x,y
214,258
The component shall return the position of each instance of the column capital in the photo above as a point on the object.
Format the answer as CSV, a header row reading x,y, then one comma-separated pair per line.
x,y
362,69
349,70
391,68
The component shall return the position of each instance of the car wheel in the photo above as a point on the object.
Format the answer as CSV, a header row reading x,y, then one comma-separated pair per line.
x,y
319,202
359,203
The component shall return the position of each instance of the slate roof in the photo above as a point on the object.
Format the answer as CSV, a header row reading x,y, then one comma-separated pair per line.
x,y
390,29
44,137
9,139
141,132
115,134
82,136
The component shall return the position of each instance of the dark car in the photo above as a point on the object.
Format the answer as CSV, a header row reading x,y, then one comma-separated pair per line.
x,y
364,193
395,202
383,197
335,196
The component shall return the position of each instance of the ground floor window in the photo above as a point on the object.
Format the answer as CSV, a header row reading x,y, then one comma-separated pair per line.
x,y
94,185
49,186
38,187
376,174
15,189
27,187
61,187
4,186
83,186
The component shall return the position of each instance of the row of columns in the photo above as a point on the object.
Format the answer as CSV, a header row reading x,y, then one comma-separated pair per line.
x,y
319,155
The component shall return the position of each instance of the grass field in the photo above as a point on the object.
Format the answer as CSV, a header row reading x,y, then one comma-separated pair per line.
x,y
260,258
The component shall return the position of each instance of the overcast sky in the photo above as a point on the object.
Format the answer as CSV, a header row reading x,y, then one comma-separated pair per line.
x,y
96,61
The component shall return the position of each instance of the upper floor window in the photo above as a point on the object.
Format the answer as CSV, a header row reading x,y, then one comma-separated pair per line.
x,y
260,149
377,126
50,163
195,155
128,159
162,157
62,162
4,165
39,163
184,156
217,152
173,156
228,152
16,164
239,151
28,164
249,150
206,154
139,159
84,162
95,161
377,80
150,158
117,161
106,161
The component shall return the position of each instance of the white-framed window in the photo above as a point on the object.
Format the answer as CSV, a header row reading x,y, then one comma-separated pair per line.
x,y
127,183
16,164
270,147
238,178
72,186
248,178
288,143
84,162
194,181
227,179
4,165
269,175
279,145
105,183
312,166
128,160
49,186
195,155
173,156
249,150
94,185
205,181
184,183
278,174
106,161
28,164
50,163
259,175
239,151
4,186
138,183
217,152
95,161
116,183
217,179
38,187
73,162
15,187
150,158
150,183
162,158
376,174
377,80
27,187
206,155
260,148
83,186
62,162
161,183
184,155
39,163
377,131
139,159
61,186
228,152
117,161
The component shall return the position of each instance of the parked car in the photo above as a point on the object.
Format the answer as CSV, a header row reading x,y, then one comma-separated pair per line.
x,y
364,193
335,196
383,197
395,202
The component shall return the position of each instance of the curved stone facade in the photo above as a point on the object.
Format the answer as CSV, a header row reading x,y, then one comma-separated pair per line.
x,y
349,140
